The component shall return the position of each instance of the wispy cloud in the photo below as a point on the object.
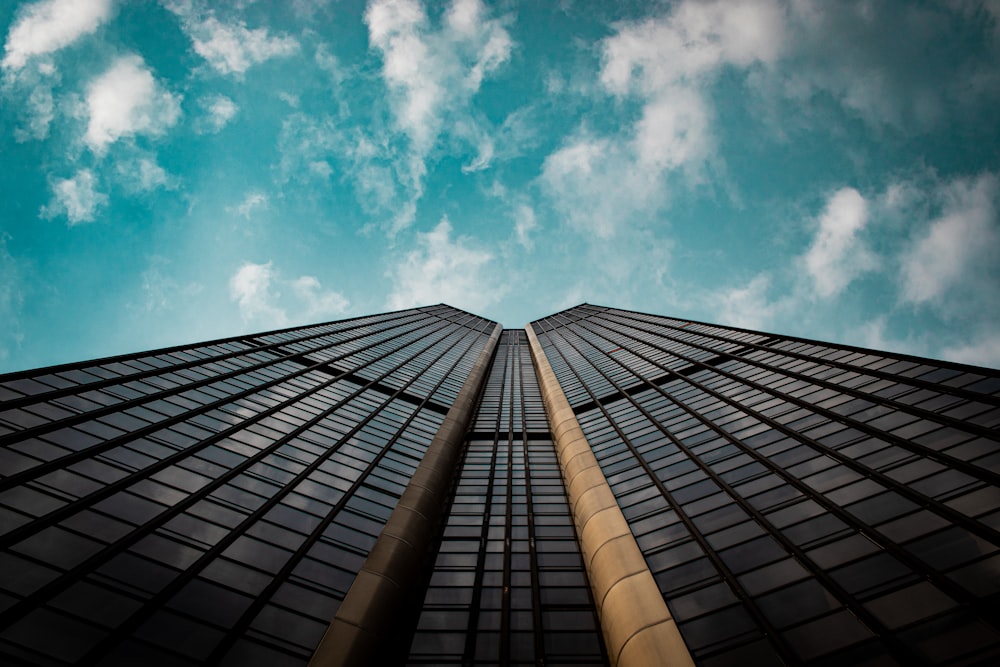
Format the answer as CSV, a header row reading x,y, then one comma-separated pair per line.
x,y
432,75
39,104
257,291
11,300
231,48
76,198
525,223
50,25
143,174
161,290
748,305
597,187
429,71
890,64
982,351
251,202
380,172
427,274
126,100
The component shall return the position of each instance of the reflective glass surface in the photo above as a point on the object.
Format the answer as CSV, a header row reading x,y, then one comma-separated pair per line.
x,y
212,503
508,584
797,502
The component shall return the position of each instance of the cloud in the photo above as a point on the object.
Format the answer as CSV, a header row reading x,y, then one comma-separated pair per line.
x,y
984,351
747,305
427,71
442,269
161,291
666,61
959,245
381,173
230,48
126,100
75,198
891,64
524,224
253,200
596,184
34,90
317,302
50,25
220,111
602,182
431,76
837,255
250,288
256,288
12,283
143,174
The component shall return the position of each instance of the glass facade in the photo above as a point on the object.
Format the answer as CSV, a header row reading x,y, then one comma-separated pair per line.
x,y
212,504
796,502
508,584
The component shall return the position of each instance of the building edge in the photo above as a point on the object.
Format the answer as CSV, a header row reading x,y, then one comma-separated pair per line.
x,y
366,617
635,621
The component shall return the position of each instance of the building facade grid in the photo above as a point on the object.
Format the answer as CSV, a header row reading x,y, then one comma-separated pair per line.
x,y
779,528
794,502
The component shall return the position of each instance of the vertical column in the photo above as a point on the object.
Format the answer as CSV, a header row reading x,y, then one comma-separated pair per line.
x,y
636,624
367,613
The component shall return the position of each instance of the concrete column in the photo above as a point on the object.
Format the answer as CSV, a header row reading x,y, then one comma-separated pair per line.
x,y
635,621
367,614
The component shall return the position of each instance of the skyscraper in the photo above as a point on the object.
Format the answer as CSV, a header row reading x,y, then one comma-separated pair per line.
x,y
421,487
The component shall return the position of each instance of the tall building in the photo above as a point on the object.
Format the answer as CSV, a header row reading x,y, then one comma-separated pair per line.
x,y
423,487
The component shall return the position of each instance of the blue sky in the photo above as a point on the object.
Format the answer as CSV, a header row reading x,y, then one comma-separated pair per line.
x,y
176,171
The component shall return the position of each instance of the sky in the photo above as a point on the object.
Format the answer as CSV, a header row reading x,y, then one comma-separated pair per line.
x,y
182,170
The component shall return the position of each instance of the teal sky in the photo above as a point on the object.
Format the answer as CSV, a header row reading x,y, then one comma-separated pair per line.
x,y
177,171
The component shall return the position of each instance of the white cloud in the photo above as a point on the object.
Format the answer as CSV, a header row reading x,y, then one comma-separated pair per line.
x,y
76,198
432,76
50,25
253,200
250,288
40,113
746,306
648,57
382,176
665,62
673,131
524,224
220,110
601,183
443,270
126,100
161,291
256,288
984,351
597,185
12,293
837,255
319,304
144,175
321,168
959,245
230,48
889,64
